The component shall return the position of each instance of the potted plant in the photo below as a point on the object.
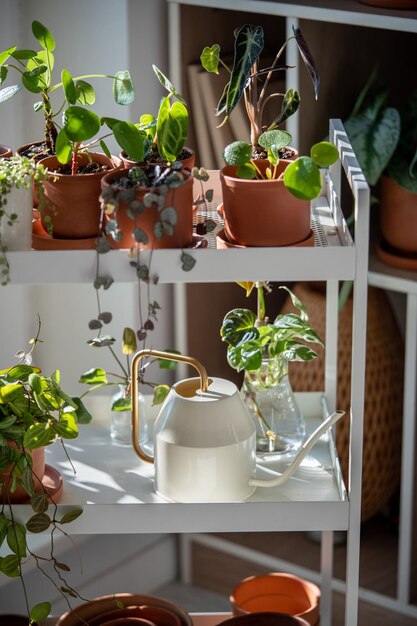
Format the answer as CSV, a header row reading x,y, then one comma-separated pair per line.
x,y
5,152
384,139
262,350
18,177
161,139
35,69
34,412
257,208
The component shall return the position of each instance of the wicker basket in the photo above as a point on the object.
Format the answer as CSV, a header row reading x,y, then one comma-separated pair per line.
x,y
383,389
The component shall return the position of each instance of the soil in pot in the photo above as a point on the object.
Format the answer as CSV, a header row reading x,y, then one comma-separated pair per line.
x,y
36,150
187,158
262,212
72,202
133,214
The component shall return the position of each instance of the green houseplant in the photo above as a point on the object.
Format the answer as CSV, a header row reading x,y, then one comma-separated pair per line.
x,y
384,139
35,70
18,177
34,412
262,350
262,173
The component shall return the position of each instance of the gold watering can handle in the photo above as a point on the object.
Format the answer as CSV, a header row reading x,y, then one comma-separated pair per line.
x,y
159,354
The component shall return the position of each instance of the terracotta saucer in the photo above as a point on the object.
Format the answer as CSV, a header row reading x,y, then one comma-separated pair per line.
x,y
52,483
42,241
396,258
223,242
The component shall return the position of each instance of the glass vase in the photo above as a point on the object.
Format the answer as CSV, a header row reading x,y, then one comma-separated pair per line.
x,y
121,421
280,426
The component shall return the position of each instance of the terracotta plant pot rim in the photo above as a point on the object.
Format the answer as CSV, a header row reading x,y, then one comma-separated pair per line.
x,y
50,162
256,181
114,175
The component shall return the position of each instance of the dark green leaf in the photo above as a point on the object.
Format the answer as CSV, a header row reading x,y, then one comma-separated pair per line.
x,y
249,43
238,327
140,236
38,435
22,372
105,149
308,60
16,539
4,523
278,138
122,404
237,153
70,516
66,427
3,73
63,147
246,171
168,364
123,89
39,502
5,54
32,83
9,565
289,106
83,415
23,54
38,523
42,34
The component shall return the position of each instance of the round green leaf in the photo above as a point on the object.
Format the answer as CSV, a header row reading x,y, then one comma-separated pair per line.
x,y
31,82
247,171
237,153
80,124
279,138
324,153
40,612
42,34
159,394
302,178
123,89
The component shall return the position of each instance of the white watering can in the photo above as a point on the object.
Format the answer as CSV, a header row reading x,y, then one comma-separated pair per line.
x,y
205,438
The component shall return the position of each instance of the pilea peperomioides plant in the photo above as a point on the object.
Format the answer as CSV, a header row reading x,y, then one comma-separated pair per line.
x,y
36,68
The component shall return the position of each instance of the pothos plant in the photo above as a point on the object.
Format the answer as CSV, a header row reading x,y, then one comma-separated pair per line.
x,y
15,173
250,81
36,69
251,337
34,411
155,138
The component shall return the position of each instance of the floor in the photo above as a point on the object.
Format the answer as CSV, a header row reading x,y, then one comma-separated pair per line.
x,y
215,574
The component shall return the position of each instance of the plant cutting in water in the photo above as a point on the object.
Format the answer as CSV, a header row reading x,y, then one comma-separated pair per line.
x,y
262,349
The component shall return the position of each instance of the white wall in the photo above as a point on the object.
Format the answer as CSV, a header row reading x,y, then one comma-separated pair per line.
x,y
94,36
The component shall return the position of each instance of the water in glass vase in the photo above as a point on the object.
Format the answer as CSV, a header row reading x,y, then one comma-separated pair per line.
x,y
121,420
280,426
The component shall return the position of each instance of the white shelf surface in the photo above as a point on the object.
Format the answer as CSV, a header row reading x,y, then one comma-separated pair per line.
x,y
115,488
341,12
332,257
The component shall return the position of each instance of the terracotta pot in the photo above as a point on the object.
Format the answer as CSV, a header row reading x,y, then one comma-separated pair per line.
x,y
278,592
38,469
265,619
262,212
99,607
36,156
5,152
180,198
188,162
398,216
129,621
152,614
73,201
391,4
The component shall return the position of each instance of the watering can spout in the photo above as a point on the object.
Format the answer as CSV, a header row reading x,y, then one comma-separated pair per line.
x,y
301,454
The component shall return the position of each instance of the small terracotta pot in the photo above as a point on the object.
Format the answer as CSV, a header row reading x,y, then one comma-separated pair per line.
x,y
5,152
188,162
73,201
180,198
280,592
99,607
38,470
265,619
129,621
398,216
153,614
262,212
